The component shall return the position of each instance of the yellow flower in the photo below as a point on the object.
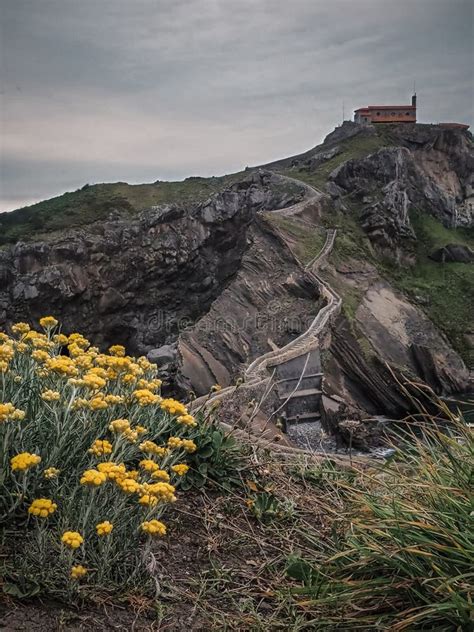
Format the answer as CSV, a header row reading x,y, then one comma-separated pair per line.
x,y
79,340
8,412
79,403
72,539
128,485
42,507
20,328
21,347
104,528
151,448
175,442
41,342
132,474
114,399
98,403
83,360
130,435
97,370
161,475
189,445
3,366
93,478
119,425
24,460
94,382
145,364
117,350
51,472
145,397
186,420
148,465
50,396
180,469
6,352
78,571
112,470
100,447
18,415
154,527
148,500
40,356
60,340
48,322
63,365
163,491
140,430
174,407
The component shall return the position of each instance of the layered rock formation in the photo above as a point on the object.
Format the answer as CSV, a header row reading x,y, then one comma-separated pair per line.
x,y
135,281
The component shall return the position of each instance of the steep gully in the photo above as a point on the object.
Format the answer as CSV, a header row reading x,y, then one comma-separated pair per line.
x,y
294,361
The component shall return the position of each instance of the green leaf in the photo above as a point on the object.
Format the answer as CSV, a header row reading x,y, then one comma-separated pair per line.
x,y
217,439
30,589
206,452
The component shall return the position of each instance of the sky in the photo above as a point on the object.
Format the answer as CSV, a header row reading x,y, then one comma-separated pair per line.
x,y
144,90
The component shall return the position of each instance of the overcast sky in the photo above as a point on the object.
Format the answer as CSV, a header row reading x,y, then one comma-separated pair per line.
x,y
141,90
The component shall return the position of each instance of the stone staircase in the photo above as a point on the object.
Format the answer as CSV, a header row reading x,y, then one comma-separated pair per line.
x,y
295,369
298,385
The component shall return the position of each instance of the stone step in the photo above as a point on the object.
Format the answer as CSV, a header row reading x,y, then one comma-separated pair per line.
x,y
308,392
302,405
304,418
295,367
285,387
295,379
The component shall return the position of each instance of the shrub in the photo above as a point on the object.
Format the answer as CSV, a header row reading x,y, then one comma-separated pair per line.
x,y
217,460
91,456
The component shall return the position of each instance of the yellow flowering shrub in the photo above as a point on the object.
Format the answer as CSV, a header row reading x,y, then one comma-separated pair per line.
x,y
73,458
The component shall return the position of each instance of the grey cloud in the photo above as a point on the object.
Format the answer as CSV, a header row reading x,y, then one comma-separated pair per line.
x,y
167,88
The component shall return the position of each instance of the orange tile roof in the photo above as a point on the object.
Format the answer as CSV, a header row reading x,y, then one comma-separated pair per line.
x,y
386,107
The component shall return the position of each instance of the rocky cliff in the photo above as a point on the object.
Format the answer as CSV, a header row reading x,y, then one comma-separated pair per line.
x,y
205,285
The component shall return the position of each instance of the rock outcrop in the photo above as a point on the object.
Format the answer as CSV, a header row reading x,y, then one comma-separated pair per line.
x,y
453,253
139,281
431,169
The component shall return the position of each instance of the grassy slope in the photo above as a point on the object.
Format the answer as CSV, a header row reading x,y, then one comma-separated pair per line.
x,y
95,202
446,290
351,148
307,244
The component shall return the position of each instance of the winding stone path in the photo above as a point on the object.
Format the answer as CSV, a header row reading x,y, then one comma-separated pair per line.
x,y
258,372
